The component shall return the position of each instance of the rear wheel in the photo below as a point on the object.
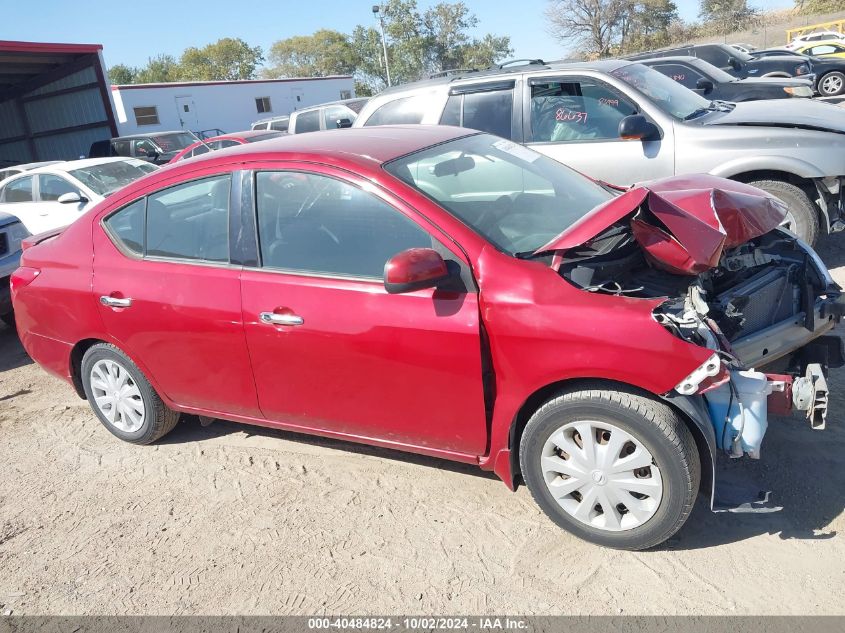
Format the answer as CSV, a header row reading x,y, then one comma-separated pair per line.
x,y
613,467
832,84
802,219
122,398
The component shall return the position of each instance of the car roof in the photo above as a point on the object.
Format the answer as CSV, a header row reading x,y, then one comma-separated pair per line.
x,y
70,165
238,135
366,146
29,166
150,134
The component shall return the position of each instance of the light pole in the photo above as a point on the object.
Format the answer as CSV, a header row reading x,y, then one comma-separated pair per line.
x,y
377,13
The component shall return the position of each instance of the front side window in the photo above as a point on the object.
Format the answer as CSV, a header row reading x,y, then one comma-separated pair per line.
x,y
190,221
317,224
511,195
51,187
404,111
577,110
146,115
825,49
308,121
280,125
19,190
334,115
488,111
684,75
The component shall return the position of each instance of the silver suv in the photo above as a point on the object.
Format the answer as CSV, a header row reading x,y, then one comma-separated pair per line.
x,y
622,123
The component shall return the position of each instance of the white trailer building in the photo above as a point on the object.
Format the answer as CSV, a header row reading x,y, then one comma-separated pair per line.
x,y
230,106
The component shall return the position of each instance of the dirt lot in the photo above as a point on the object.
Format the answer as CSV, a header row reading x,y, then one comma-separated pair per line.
x,y
233,519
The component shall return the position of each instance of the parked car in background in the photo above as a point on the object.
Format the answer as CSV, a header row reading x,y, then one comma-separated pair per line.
x,y
824,49
155,147
326,116
224,141
51,197
623,123
12,233
811,38
714,83
736,63
828,71
771,52
278,123
439,291
745,48
13,170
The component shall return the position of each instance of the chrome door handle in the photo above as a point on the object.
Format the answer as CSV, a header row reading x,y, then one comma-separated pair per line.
x,y
281,319
114,302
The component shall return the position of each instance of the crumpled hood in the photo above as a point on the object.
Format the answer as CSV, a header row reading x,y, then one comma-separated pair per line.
x,y
794,113
682,223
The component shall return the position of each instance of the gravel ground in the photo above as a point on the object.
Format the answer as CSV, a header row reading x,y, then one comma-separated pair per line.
x,y
231,519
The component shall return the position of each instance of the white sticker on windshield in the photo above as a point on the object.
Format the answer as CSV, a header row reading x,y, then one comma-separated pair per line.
x,y
517,150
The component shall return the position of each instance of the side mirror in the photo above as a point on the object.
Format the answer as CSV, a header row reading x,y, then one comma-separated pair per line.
x,y
71,197
704,85
637,127
414,269
344,123
733,62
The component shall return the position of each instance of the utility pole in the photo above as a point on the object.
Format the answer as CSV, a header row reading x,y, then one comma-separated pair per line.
x,y
377,13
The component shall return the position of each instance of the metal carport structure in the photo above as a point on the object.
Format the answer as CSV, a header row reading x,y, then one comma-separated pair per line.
x,y
54,101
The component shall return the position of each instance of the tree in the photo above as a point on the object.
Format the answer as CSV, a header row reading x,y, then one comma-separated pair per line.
x,y
160,69
224,60
121,74
813,7
648,26
727,16
597,25
324,53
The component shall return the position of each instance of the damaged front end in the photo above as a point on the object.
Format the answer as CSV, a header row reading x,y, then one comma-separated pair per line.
x,y
733,282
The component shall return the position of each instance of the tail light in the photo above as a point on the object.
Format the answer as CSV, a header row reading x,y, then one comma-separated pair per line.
x,y
23,276
706,376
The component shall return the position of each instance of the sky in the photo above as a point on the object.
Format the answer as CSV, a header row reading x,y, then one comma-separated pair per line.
x,y
131,33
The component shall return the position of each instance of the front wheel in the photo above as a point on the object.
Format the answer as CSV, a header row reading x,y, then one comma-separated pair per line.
x,y
122,398
802,218
613,467
832,84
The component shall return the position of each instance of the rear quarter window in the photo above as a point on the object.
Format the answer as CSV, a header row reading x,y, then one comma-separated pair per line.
x,y
404,111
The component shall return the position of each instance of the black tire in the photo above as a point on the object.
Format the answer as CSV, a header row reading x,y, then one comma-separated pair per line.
x,y
8,319
831,84
158,420
654,424
804,215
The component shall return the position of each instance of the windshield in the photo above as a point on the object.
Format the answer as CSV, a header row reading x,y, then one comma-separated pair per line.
x,y
106,178
174,142
664,92
513,196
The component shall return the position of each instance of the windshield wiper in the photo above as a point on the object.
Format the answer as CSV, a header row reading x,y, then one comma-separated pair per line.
x,y
713,106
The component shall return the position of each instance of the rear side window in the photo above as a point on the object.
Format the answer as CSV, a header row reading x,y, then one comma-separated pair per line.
x,y
317,224
404,111
489,111
19,190
126,227
281,126
190,221
308,122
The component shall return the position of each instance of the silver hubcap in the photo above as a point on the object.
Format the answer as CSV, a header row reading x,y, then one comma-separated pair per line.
x,y
832,84
117,396
601,475
788,222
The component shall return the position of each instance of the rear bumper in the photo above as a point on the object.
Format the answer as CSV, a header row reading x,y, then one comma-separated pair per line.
x,y
52,355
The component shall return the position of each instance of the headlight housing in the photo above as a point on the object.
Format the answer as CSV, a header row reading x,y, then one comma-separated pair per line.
x,y
802,69
799,91
703,378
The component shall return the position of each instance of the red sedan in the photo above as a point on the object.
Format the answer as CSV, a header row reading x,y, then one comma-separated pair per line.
x,y
449,293
223,141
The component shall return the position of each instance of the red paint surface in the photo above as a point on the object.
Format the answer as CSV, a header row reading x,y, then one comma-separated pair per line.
x,y
403,371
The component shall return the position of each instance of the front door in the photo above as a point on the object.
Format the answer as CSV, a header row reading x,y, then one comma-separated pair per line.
x,y
186,109
169,296
330,348
575,120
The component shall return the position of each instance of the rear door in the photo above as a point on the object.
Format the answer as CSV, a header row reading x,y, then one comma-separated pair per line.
x,y
575,120
170,294
487,107
330,348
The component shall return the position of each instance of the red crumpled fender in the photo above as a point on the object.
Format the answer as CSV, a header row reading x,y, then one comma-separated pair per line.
x,y
683,223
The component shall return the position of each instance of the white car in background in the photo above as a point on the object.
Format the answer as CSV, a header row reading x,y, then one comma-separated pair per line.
x,y
51,197
818,36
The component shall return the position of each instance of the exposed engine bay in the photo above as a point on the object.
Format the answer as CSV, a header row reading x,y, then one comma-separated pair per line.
x,y
754,294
